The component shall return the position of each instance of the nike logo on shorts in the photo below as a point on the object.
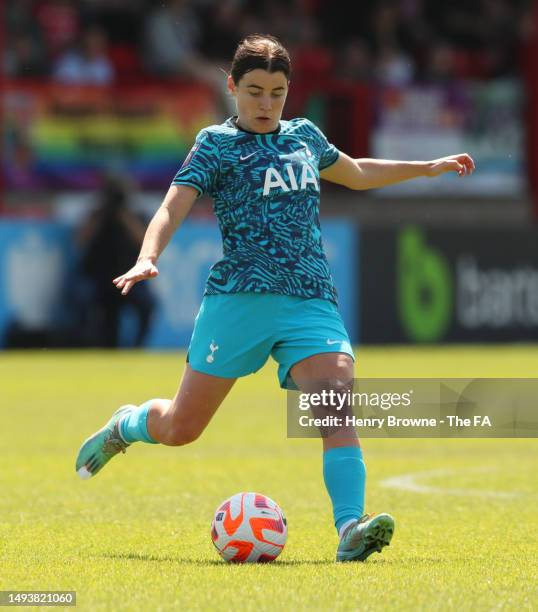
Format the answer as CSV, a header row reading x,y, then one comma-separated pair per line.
x,y
246,156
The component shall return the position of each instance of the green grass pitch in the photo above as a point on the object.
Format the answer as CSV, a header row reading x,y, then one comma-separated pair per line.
x,y
136,537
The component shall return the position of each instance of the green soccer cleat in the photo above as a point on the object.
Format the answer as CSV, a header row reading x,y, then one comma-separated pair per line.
x,y
368,535
99,449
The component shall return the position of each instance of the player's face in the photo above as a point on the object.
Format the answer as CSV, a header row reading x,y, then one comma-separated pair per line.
x,y
260,98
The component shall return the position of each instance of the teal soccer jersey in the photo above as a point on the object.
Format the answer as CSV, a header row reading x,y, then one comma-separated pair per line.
x,y
266,190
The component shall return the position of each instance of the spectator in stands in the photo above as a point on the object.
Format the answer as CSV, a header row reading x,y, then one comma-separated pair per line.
x,y
88,66
188,38
284,19
60,24
499,35
355,61
221,30
24,53
123,23
312,61
394,67
416,33
385,32
122,20
440,67
24,57
20,19
173,39
110,238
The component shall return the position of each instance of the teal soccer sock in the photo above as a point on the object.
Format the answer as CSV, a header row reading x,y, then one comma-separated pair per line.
x,y
344,474
133,426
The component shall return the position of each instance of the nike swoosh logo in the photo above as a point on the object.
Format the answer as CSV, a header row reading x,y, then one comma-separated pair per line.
x,y
329,342
246,156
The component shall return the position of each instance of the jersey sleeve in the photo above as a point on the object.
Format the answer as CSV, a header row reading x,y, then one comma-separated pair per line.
x,y
201,166
328,153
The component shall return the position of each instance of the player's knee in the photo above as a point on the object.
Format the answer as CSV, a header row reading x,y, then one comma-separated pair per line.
x,y
341,376
333,394
338,386
336,377
341,382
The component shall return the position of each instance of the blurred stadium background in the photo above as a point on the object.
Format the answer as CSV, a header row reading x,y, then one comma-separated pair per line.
x,y
103,98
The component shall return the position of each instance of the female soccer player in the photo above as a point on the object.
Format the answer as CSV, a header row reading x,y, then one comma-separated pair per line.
x,y
272,292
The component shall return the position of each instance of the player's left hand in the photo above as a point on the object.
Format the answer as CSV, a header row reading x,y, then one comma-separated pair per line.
x,y
462,163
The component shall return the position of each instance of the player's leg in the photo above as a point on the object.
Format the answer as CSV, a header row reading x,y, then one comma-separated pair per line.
x,y
328,371
344,471
229,340
315,354
172,422
183,419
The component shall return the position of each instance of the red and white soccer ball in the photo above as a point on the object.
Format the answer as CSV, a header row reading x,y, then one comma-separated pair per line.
x,y
249,528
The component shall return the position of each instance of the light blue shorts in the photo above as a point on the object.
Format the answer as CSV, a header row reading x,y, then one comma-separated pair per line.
x,y
235,333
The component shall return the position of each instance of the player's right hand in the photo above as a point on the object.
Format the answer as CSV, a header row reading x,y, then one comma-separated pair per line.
x,y
142,270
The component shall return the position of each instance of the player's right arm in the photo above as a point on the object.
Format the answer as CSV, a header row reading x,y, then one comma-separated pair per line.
x,y
175,207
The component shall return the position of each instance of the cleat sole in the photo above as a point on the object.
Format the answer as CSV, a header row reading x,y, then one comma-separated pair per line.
x,y
376,536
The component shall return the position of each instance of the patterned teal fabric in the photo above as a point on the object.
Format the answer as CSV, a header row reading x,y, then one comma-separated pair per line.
x,y
266,193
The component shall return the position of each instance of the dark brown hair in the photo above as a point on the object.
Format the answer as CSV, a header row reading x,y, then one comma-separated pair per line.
x,y
260,51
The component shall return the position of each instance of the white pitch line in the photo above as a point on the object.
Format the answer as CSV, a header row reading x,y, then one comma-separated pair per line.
x,y
409,482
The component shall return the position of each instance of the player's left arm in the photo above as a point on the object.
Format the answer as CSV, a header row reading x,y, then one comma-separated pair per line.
x,y
373,173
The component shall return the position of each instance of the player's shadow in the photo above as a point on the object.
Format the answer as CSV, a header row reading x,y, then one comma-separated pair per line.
x,y
417,560
202,562
412,561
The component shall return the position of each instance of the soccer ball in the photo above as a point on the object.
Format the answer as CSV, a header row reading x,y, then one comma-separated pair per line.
x,y
249,528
